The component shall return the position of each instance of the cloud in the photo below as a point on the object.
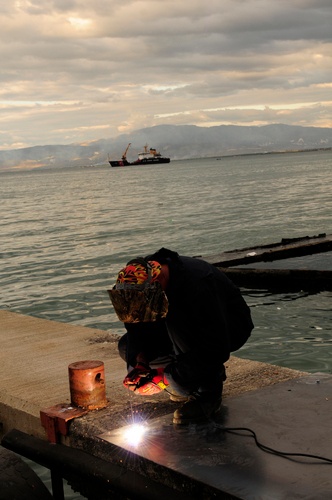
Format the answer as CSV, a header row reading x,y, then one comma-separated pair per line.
x,y
75,69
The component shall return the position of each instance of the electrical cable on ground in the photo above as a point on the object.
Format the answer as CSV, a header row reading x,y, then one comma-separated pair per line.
x,y
267,449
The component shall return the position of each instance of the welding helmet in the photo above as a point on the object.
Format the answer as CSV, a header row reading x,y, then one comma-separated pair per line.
x,y
137,296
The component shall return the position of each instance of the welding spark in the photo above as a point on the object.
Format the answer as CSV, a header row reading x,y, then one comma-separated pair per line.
x,y
134,434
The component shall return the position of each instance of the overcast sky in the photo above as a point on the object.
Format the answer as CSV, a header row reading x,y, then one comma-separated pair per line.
x,y
80,70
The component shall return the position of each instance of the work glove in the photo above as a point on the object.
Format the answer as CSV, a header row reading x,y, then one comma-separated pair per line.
x,y
154,383
145,381
137,376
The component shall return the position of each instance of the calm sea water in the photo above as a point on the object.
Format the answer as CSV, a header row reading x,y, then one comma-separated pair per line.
x,y
65,234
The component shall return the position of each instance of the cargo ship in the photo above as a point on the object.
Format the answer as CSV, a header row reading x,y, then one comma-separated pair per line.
x,y
146,157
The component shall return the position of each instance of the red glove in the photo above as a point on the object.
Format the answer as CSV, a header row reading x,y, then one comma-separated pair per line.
x,y
137,375
153,385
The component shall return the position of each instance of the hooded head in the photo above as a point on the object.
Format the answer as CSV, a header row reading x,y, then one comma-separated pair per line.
x,y
138,274
137,295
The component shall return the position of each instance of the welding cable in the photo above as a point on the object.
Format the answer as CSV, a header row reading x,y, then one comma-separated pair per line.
x,y
267,449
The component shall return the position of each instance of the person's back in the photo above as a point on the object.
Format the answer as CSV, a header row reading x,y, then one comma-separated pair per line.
x,y
204,305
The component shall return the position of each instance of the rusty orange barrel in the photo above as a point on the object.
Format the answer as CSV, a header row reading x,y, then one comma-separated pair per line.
x,y
87,384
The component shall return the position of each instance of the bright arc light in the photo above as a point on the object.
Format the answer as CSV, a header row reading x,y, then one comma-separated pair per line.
x,y
134,434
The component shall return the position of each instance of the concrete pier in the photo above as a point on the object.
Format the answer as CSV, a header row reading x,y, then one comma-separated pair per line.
x,y
34,359
277,279
285,249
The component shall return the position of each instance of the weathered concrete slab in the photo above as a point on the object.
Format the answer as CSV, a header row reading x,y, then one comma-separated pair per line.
x,y
276,279
287,248
34,358
293,416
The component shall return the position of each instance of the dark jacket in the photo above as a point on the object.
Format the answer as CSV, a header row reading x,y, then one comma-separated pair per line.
x,y
207,316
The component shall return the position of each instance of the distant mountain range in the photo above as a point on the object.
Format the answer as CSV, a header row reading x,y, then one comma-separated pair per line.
x,y
176,141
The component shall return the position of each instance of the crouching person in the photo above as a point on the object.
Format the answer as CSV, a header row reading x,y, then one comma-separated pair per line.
x,y
183,318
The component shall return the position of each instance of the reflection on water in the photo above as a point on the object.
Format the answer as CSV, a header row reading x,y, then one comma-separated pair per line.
x,y
318,262
291,329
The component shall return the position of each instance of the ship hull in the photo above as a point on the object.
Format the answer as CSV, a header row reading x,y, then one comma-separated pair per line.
x,y
144,161
119,163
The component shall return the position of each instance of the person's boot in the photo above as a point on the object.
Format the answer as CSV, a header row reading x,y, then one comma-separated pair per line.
x,y
198,408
